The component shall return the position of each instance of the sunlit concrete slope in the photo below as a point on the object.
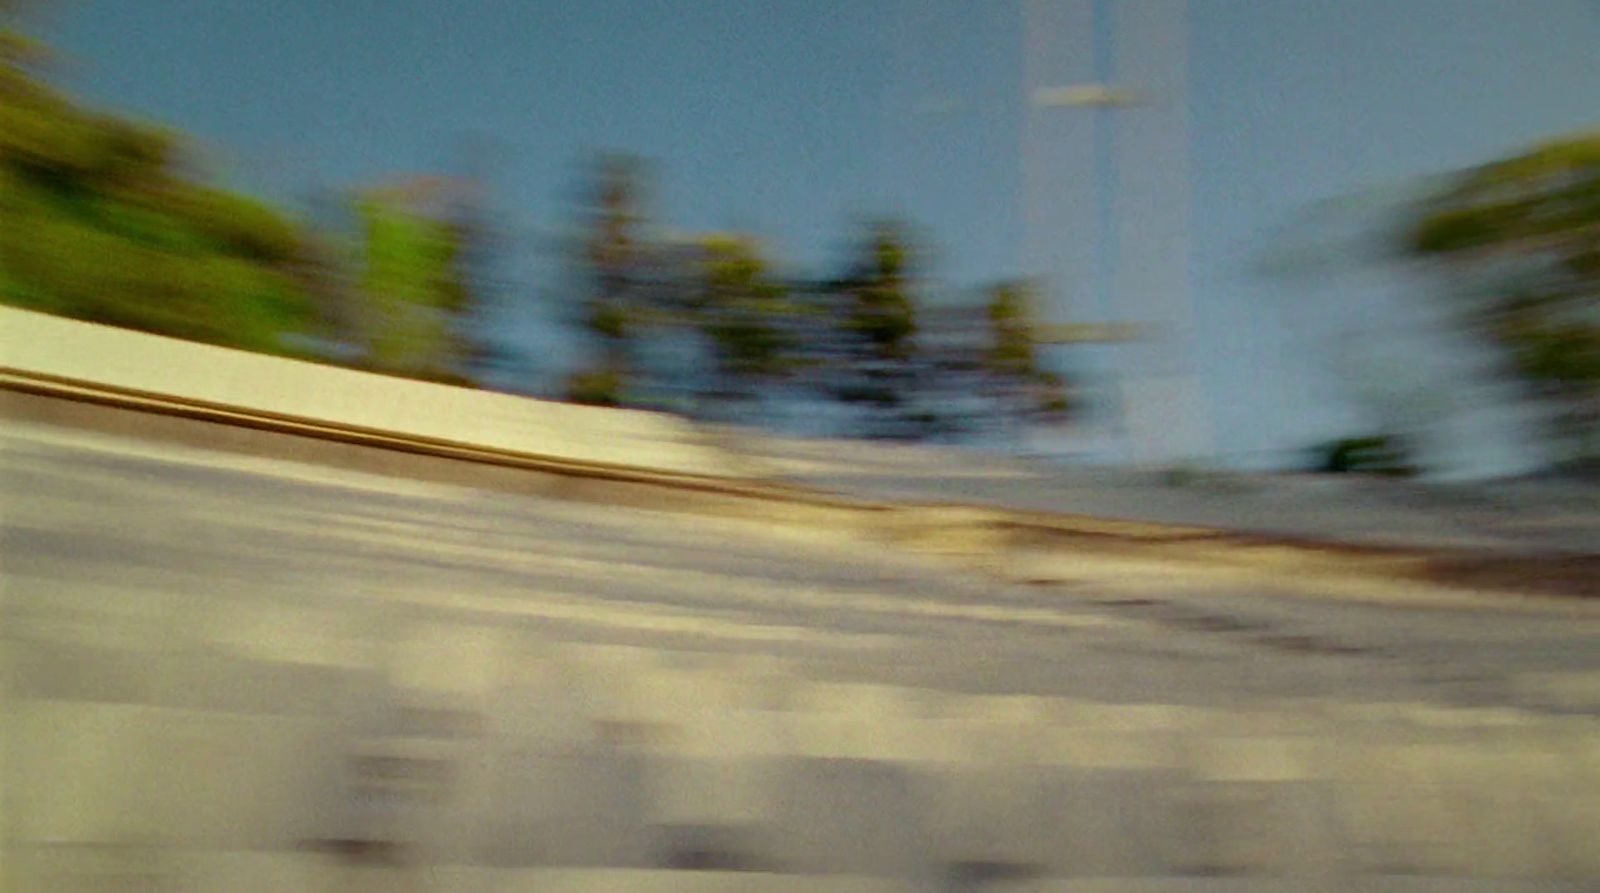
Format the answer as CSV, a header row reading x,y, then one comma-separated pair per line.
x,y
238,675
46,349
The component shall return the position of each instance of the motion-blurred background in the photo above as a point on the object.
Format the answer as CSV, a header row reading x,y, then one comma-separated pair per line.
x,y
1158,231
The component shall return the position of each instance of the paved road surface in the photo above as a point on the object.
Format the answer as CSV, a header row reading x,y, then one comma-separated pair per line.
x,y
216,661
1514,516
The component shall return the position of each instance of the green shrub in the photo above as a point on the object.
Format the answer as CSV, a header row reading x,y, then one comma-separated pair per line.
x,y
1376,454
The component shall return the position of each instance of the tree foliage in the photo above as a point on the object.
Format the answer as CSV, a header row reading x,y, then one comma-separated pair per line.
x,y
1012,359
613,278
105,219
882,311
877,323
413,289
851,338
100,221
1526,230
741,309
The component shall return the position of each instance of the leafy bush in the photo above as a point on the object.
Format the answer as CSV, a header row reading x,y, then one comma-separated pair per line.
x,y
1379,455
596,387
98,222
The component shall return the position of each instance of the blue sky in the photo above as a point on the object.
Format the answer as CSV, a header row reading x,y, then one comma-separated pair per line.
x,y
793,118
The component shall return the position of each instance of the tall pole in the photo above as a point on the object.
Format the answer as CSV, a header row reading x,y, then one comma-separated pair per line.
x,y
1073,40
1105,214
1167,404
1134,203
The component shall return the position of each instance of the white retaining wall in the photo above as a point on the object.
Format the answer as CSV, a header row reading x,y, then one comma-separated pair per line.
x,y
39,344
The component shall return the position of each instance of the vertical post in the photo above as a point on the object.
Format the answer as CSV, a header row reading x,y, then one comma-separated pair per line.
x,y
1168,412
1059,197
1137,263
1106,233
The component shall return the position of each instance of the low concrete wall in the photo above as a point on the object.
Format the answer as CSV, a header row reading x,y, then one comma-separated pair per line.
x,y
41,347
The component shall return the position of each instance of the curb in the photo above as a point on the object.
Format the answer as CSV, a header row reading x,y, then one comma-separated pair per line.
x,y
938,528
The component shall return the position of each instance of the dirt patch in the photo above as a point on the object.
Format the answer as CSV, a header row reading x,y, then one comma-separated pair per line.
x,y
1570,576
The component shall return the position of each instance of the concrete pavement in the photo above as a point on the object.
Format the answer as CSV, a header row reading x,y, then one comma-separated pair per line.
x,y
1500,516
234,673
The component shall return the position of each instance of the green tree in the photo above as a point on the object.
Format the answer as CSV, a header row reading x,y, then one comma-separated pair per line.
x,y
877,319
741,310
882,312
100,221
1025,389
614,262
414,296
1524,232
